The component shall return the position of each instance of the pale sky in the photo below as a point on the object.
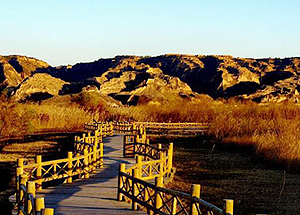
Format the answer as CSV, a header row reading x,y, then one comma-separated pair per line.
x,y
64,32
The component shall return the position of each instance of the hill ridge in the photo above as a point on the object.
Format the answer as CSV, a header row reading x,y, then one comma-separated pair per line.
x,y
218,76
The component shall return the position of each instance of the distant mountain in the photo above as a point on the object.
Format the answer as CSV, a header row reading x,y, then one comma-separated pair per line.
x,y
133,79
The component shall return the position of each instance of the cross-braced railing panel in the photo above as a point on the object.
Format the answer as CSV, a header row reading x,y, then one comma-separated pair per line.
x,y
128,148
155,162
148,150
78,165
30,170
150,169
162,200
79,146
54,169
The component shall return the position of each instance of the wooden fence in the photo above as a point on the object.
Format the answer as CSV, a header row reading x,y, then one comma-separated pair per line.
x,y
87,156
155,127
175,128
155,162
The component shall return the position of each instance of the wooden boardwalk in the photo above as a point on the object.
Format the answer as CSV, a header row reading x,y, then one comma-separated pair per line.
x,y
96,195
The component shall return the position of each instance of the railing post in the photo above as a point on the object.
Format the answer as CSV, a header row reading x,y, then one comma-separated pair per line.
x,y
134,126
96,139
228,207
39,205
91,166
23,181
146,198
174,206
86,163
100,130
139,160
158,200
101,154
48,211
135,145
135,191
111,129
70,167
196,193
96,153
30,190
120,181
146,149
76,145
39,172
94,157
170,157
19,172
162,163
21,163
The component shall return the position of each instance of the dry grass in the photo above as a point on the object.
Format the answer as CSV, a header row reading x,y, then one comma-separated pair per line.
x,y
21,119
47,117
170,112
69,114
274,130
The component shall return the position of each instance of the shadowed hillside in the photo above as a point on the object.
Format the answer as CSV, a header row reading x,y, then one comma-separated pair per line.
x,y
134,79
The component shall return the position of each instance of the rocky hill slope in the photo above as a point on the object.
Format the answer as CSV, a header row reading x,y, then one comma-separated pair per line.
x,y
14,69
133,79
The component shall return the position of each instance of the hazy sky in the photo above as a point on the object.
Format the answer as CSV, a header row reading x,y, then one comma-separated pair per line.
x,y
68,32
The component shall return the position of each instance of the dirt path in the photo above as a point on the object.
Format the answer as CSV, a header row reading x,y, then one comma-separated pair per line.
x,y
51,146
228,171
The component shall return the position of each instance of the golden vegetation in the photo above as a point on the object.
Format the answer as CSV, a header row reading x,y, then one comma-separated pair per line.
x,y
21,119
17,119
272,129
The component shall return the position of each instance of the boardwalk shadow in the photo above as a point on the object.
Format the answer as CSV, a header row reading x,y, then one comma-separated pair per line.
x,y
100,190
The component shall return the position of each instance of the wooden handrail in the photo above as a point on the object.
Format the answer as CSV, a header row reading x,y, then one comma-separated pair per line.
x,y
152,197
132,181
184,200
44,171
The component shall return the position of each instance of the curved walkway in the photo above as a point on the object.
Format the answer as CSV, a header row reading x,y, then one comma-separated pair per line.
x,y
96,195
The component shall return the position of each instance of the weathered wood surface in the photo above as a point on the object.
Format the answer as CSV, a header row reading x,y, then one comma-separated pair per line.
x,y
96,195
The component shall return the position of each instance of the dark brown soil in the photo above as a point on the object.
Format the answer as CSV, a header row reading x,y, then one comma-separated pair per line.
x,y
235,172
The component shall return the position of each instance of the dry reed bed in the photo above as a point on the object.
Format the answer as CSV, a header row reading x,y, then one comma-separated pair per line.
x,y
22,119
272,129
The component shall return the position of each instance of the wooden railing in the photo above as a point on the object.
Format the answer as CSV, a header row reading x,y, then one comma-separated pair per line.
x,y
28,203
173,125
104,128
87,157
155,162
175,128
158,200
